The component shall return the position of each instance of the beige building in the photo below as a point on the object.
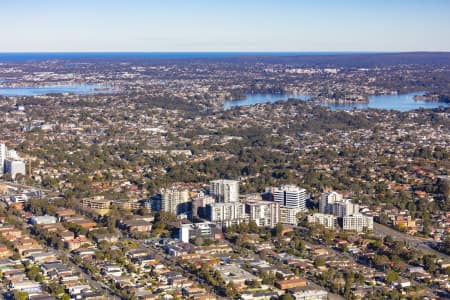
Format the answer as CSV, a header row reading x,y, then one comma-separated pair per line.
x,y
175,200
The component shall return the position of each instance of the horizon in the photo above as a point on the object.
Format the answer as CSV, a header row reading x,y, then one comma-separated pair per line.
x,y
225,26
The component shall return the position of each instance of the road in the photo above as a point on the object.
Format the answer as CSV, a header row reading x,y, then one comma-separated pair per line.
x,y
21,186
416,242
100,286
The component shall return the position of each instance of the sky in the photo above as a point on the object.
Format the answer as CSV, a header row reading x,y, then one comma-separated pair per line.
x,y
224,25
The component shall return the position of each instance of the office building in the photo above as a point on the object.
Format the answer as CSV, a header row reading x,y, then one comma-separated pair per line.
x,y
291,196
205,230
226,214
224,190
263,213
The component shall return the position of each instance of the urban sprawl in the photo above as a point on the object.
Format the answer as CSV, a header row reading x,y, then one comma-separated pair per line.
x,y
146,188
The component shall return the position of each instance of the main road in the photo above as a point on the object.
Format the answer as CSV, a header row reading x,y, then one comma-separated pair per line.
x,y
419,243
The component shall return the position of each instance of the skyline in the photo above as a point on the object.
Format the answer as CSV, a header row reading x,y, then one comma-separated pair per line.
x,y
225,26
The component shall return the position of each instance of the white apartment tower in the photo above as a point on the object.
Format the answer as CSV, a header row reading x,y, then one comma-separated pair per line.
x,y
291,196
344,208
14,167
263,213
357,222
326,202
226,214
3,151
224,190
175,200
10,162
326,220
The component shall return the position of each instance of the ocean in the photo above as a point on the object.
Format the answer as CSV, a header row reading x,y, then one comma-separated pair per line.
x,y
40,56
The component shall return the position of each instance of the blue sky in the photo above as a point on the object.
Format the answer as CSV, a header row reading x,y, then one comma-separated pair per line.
x,y
224,25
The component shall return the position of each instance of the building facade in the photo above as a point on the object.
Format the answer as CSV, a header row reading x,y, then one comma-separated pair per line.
x,y
226,214
326,220
205,230
327,200
224,190
344,208
14,167
263,213
291,196
288,216
175,200
357,222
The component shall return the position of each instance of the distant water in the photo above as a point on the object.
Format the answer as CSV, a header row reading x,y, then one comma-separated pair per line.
x,y
252,99
402,102
31,56
79,89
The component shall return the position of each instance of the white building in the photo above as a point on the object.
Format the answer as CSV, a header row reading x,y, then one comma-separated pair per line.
x,y
288,215
344,208
264,213
311,295
226,214
38,220
175,200
3,151
199,203
291,196
14,167
205,229
224,190
326,220
10,162
357,222
327,200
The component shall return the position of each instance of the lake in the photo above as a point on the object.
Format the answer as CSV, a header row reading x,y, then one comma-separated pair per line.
x,y
402,102
79,89
252,99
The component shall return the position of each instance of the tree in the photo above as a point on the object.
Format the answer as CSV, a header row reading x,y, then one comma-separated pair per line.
x,y
319,262
252,226
20,295
230,290
391,276
279,230
287,297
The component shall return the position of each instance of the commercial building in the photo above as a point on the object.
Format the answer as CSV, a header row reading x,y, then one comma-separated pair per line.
x,y
235,274
39,220
263,213
224,190
326,220
175,200
291,196
357,222
291,283
311,294
205,230
226,214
